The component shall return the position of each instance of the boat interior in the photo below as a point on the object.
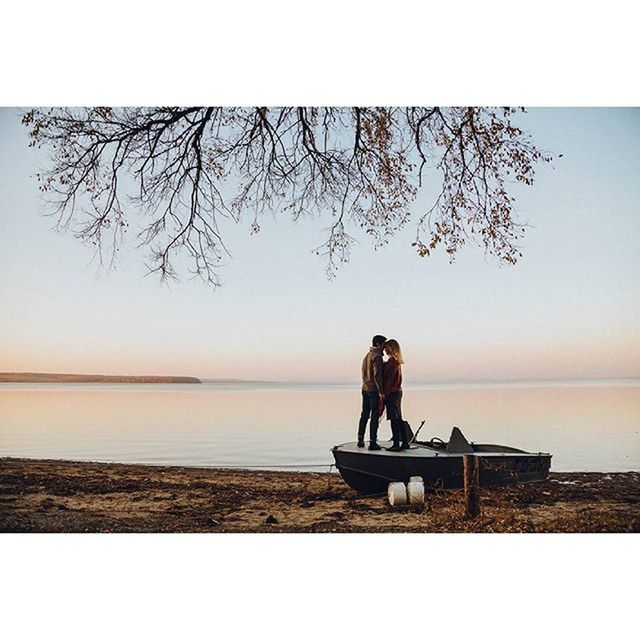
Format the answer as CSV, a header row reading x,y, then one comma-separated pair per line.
x,y
456,445
459,444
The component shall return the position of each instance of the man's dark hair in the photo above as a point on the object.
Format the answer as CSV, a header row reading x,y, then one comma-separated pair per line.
x,y
378,340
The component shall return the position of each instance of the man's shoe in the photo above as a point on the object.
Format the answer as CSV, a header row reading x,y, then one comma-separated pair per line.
x,y
361,443
374,446
395,447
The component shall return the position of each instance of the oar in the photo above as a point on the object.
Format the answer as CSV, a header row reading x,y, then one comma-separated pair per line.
x,y
415,435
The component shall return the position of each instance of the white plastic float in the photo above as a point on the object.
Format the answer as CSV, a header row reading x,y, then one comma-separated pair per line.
x,y
415,490
397,493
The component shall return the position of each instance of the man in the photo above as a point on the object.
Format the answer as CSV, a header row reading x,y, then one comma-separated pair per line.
x,y
372,392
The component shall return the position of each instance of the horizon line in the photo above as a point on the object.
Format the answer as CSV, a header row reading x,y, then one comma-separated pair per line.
x,y
419,380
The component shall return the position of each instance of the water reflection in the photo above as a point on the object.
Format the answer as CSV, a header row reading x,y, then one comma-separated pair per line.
x,y
591,428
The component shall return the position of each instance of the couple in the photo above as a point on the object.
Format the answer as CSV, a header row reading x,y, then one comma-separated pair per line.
x,y
382,388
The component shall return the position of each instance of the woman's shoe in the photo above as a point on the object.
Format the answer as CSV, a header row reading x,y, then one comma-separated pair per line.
x,y
361,443
374,446
395,447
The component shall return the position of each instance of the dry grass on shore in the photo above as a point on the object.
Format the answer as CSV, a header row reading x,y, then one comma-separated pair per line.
x,y
62,496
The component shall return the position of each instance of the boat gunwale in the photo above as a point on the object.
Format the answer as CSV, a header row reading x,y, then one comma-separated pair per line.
x,y
438,453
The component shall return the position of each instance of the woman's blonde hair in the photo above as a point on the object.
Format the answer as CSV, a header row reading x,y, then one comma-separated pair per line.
x,y
393,349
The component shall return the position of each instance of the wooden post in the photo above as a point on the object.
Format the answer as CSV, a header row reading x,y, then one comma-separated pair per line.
x,y
471,485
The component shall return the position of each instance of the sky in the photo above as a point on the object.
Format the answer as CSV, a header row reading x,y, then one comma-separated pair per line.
x,y
569,309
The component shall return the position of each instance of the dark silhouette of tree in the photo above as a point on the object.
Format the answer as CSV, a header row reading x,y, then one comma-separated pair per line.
x,y
186,168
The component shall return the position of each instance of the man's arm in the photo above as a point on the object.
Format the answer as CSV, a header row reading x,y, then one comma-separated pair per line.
x,y
377,374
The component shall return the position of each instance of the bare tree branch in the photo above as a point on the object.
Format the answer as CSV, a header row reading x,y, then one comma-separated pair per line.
x,y
186,168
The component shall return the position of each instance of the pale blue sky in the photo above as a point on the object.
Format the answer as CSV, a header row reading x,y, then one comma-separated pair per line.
x,y
569,308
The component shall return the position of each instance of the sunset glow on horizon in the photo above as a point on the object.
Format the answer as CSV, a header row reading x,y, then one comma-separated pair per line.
x,y
569,309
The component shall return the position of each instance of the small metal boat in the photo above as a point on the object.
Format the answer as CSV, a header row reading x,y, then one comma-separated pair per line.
x,y
439,463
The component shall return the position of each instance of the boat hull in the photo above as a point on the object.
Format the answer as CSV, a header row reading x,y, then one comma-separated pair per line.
x,y
369,473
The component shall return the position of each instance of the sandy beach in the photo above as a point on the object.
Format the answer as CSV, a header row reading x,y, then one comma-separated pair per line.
x,y
63,496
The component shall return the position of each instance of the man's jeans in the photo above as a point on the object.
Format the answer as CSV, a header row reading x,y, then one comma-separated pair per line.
x,y
369,408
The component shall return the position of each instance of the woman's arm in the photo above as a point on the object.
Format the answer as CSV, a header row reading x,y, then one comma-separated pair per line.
x,y
392,376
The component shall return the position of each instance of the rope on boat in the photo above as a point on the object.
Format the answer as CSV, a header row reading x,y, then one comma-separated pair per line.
x,y
275,466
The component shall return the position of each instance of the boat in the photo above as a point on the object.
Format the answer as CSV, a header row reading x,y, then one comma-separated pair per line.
x,y
439,463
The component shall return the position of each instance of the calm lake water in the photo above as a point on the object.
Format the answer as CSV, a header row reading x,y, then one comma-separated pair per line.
x,y
587,426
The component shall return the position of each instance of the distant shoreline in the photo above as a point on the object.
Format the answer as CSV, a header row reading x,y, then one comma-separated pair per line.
x,y
79,377
29,377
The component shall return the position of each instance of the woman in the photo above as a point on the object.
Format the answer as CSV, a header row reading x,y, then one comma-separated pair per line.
x,y
392,383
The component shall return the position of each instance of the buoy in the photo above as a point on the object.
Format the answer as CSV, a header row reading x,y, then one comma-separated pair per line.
x,y
415,491
397,493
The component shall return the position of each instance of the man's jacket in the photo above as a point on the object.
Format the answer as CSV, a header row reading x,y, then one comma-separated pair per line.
x,y
372,371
